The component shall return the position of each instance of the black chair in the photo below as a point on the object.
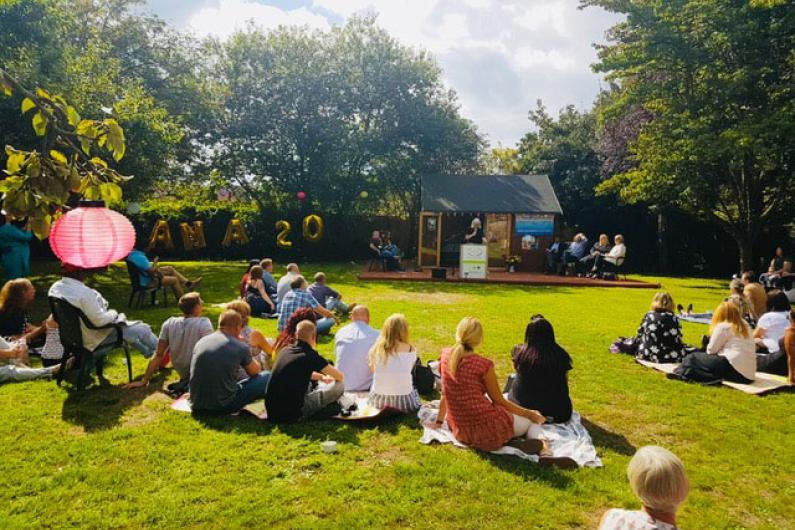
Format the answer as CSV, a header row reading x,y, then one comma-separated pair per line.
x,y
69,318
611,271
139,291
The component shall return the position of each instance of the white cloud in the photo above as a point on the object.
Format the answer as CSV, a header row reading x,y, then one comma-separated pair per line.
x,y
233,15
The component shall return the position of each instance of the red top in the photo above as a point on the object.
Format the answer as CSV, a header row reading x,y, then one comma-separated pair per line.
x,y
243,285
473,418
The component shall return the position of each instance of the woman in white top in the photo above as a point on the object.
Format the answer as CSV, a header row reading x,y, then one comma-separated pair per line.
x,y
392,360
731,352
658,479
771,326
615,257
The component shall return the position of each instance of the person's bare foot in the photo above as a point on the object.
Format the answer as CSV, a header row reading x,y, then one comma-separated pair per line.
x,y
530,447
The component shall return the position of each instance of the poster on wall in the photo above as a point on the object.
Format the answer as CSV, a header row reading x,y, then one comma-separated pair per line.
x,y
535,225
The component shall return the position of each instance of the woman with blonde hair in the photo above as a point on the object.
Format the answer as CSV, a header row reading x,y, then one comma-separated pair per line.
x,y
731,352
658,479
260,348
659,336
392,360
476,410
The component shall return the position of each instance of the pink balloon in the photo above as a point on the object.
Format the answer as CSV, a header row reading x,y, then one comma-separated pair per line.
x,y
301,195
91,237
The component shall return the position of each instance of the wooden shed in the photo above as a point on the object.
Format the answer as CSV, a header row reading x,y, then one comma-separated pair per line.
x,y
520,215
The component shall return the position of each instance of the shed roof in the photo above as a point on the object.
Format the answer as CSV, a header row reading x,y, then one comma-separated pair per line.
x,y
489,194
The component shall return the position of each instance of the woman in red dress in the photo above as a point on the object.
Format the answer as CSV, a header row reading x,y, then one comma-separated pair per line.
x,y
485,423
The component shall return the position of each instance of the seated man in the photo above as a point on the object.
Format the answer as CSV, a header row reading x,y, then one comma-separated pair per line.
x,y
554,254
288,397
283,287
352,345
576,250
167,274
297,298
214,383
72,289
772,278
178,336
376,243
391,253
271,287
326,296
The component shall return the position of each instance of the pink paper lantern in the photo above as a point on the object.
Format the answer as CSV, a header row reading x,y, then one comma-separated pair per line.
x,y
301,195
92,236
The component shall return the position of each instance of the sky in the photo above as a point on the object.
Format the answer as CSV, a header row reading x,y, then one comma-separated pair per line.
x,y
500,56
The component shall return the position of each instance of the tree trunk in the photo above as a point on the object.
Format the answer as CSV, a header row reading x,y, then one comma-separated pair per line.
x,y
662,242
745,246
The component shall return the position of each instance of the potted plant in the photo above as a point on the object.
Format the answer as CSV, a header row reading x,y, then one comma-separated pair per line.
x,y
512,261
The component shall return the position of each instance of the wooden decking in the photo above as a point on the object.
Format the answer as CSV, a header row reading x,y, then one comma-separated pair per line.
x,y
515,278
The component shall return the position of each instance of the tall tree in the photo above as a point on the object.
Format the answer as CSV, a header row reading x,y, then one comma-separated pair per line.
x,y
716,78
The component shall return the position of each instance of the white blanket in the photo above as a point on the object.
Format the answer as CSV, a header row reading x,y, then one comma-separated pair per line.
x,y
568,439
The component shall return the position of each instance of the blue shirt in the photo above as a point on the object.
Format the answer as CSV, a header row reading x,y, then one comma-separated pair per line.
x,y
579,249
295,299
139,259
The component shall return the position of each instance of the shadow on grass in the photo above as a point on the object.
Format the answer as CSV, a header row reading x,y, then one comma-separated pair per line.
x,y
603,438
528,471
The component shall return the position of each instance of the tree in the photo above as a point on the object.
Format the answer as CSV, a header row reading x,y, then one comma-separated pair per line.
x,y
716,79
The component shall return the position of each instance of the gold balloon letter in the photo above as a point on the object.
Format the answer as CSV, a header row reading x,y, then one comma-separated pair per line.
x,y
281,237
193,237
161,236
235,233
313,236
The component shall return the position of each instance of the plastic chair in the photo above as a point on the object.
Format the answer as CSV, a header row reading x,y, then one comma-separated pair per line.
x,y
140,291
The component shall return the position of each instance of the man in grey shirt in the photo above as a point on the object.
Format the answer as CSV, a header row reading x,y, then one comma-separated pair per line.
x,y
214,383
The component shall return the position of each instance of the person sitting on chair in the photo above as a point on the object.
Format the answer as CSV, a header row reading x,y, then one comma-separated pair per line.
x,y
16,297
178,336
376,242
614,258
600,248
772,278
575,251
297,298
554,254
391,254
326,296
15,237
72,289
167,274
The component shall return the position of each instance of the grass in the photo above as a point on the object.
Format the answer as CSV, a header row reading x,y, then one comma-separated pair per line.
x,y
115,458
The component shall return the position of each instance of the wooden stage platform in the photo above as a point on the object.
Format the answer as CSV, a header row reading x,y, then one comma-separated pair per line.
x,y
500,276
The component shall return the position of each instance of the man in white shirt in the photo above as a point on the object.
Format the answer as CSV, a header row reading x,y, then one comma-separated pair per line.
x,y
352,345
283,287
72,289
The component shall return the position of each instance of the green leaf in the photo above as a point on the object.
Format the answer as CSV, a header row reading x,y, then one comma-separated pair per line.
x,y
42,93
39,124
99,162
40,226
58,157
27,104
15,162
72,115
11,184
111,192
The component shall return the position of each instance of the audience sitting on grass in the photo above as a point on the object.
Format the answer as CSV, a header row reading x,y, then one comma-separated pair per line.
x,y
614,257
772,278
297,298
259,346
283,286
600,248
178,337
658,479
13,364
167,275
755,295
52,352
286,337
476,411
326,296
245,277
352,344
392,361
289,395
256,295
271,286
541,379
16,297
214,382
72,289
771,326
730,355
659,337
781,362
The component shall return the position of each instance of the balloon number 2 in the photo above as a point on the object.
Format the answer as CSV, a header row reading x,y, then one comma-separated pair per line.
x,y
313,230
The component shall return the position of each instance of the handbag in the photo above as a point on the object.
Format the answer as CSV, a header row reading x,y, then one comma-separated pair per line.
x,y
626,345
422,378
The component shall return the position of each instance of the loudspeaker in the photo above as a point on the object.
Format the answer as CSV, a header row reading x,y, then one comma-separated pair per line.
x,y
439,273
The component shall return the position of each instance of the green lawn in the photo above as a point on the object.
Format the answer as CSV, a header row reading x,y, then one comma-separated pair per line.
x,y
115,458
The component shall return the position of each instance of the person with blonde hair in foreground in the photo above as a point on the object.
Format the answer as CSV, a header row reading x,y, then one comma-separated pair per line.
x,y
658,479
392,360
476,410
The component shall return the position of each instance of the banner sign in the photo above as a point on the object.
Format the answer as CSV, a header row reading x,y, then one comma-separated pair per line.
x,y
535,225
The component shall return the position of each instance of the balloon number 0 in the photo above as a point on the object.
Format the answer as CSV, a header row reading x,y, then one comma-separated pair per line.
x,y
313,230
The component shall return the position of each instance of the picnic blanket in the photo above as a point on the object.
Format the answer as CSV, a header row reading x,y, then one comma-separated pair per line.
x,y
256,409
697,318
762,384
568,439
364,411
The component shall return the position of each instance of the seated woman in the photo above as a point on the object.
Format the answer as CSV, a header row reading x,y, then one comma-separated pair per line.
x,y
256,295
260,348
659,337
16,297
658,479
737,295
244,278
783,361
731,353
613,258
541,381
392,360
287,335
772,325
600,248
52,351
13,364
476,411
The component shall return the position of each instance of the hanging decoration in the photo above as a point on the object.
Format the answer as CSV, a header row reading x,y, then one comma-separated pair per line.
x,y
161,236
235,233
284,230
193,237
301,195
364,195
313,234
91,236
